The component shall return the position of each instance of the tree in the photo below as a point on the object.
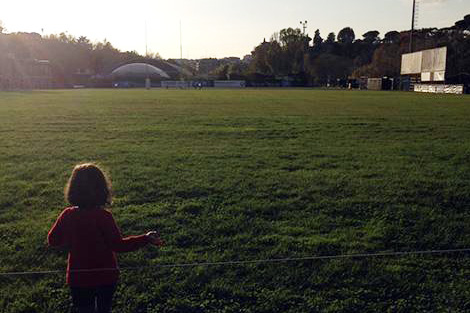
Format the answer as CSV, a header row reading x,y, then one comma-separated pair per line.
x,y
463,24
2,27
294,47
274,37
290,36
392,37
317,40
385,62
266,58
346,35
153,55
331,38
84,42
328,67
222,72
371,37
228,71
66,38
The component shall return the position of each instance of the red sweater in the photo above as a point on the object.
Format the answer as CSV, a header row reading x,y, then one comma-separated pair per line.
x,y
92,237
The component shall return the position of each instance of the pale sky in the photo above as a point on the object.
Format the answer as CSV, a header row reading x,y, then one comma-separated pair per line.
x,y
216,28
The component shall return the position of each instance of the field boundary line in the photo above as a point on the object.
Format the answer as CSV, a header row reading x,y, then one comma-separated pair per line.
x,y
244,262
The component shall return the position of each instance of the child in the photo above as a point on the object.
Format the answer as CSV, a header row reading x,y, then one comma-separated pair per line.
x,y
90,234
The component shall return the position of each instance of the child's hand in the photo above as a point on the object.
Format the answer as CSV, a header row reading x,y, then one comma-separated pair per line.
x,y
155,239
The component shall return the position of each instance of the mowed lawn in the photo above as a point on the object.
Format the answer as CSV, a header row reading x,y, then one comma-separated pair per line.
x,y
242,175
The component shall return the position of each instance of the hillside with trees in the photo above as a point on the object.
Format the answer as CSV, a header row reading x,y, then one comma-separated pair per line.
x,y
288,58
72,60
292,55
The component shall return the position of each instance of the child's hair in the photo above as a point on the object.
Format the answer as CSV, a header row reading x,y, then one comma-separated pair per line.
x,y
88,187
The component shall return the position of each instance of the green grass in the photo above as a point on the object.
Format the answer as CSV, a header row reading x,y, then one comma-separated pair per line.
x,y
247,174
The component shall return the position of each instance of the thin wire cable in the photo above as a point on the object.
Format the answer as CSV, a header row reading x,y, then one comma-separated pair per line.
x,y
241,262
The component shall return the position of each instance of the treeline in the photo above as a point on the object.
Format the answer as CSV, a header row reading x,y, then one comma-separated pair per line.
x,y
299,59
289,57
72,60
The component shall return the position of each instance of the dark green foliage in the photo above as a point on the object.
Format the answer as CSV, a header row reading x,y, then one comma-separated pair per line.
x,y
68,56
344,57
346,35
243,175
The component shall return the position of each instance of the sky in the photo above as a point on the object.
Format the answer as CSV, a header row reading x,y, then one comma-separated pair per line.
x,y
216,28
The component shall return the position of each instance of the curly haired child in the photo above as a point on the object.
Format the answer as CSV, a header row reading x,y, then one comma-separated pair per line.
x,y
92,238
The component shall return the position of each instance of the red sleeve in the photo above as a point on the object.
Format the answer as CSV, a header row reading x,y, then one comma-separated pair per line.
x,y
114,239
56,236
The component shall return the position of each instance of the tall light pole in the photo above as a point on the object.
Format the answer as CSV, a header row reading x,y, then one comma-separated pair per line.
x,y
181,43
304,26
146,46
181,53
413,19
147,78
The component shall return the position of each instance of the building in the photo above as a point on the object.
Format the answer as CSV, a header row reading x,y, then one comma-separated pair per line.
x,y
24,73
135,75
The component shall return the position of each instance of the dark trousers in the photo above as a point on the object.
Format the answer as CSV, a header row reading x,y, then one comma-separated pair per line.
x,y
92,299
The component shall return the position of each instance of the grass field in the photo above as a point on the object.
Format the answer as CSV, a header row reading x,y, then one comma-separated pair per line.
x,y
242,175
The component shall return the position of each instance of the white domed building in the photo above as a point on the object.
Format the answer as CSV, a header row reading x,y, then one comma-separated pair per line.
x,y
134,75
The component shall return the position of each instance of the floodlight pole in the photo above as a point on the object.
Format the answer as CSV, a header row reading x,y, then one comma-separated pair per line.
x,y
181,43
147,79
304,26
412,25
181,52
